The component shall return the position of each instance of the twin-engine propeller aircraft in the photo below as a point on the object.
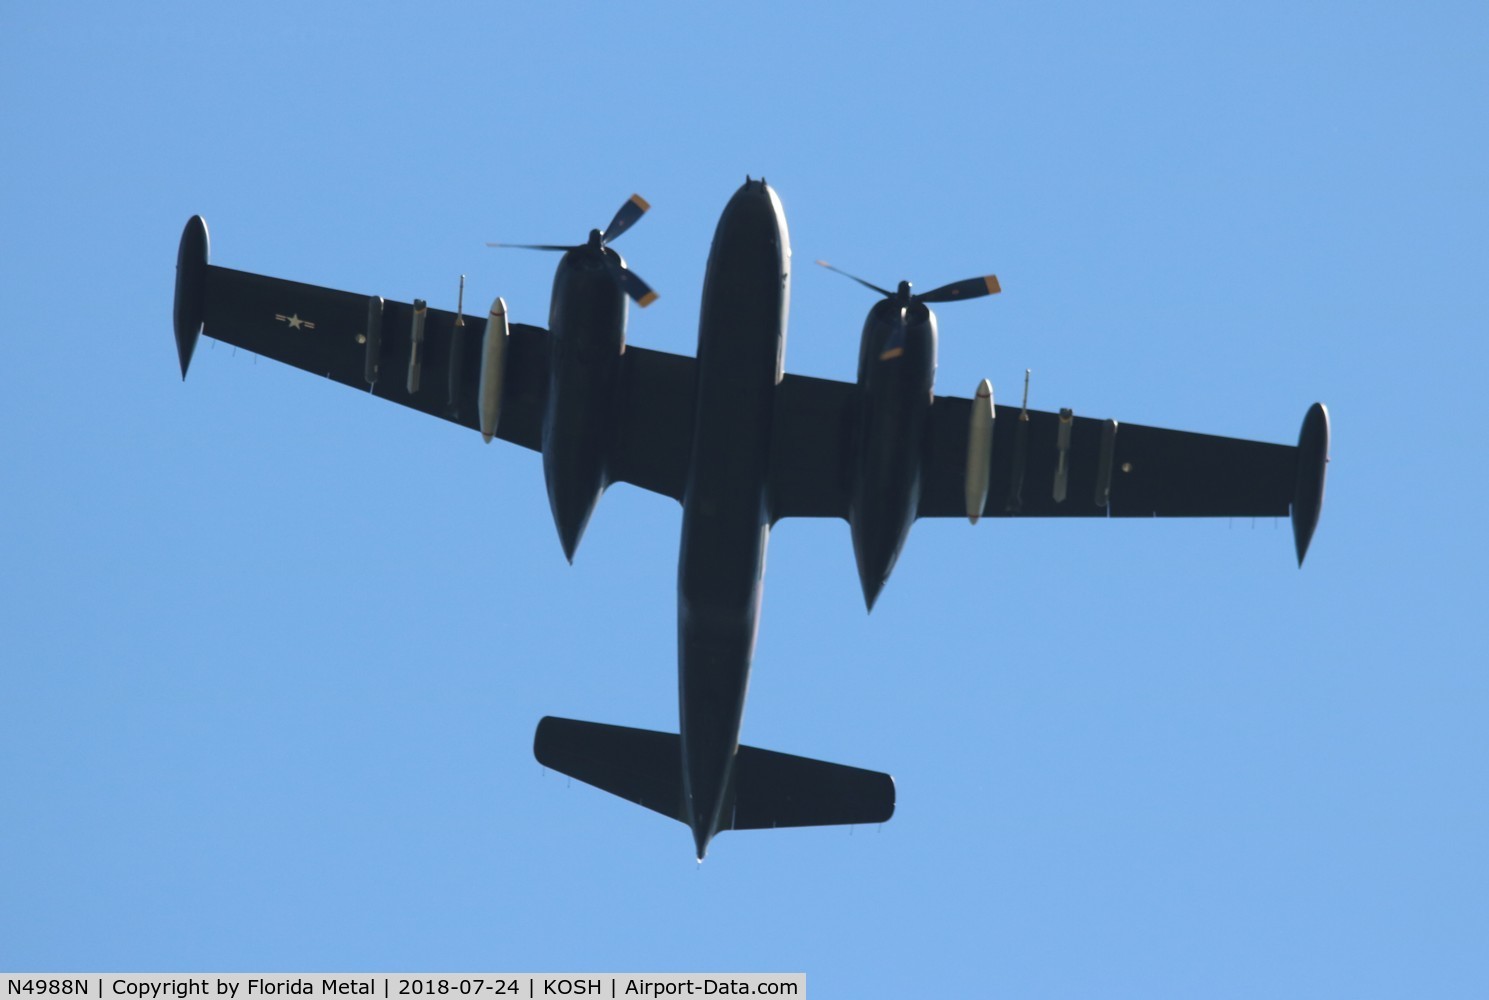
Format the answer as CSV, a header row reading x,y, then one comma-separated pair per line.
x,y
740,444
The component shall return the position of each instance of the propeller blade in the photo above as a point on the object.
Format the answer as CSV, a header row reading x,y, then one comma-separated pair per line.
x,y
634,208
530,246
881,291
972,288
630,282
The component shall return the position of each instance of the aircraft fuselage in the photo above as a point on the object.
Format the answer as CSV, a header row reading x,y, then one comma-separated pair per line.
x,y
726,508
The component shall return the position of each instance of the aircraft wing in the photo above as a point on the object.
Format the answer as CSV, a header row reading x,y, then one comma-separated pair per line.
x,y
324,331
1154,472
318,329
812,446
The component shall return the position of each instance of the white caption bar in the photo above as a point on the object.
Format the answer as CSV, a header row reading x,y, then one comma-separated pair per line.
x,y
398,986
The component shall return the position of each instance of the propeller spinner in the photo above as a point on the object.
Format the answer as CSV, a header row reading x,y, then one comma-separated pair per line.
x,y
628,281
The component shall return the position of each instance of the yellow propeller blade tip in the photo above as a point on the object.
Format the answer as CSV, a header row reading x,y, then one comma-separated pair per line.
x,y
993,288
640,203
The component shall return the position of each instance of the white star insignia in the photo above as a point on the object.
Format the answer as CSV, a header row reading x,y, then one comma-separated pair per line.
x,y
295,322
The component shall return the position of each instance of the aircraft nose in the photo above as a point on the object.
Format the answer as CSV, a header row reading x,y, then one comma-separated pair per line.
x,y
700,840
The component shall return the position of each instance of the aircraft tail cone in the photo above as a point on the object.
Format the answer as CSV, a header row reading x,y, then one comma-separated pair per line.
x,y
871,590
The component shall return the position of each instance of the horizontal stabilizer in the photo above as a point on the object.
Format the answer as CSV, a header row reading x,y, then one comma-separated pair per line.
x,y
776,789
639,765
770,789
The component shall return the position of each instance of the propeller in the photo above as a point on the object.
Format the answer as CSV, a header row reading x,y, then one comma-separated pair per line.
x,y
626,280
971,288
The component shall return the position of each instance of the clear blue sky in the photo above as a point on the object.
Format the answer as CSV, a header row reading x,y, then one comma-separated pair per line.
x,y
274,650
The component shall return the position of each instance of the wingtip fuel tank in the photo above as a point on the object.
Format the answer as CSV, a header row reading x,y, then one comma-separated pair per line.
x,y
1313,466
191,289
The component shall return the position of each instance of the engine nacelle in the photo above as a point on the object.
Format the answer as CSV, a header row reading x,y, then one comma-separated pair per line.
x,y
587,329
896,373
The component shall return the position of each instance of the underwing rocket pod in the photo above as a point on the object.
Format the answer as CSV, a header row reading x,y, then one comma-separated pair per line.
x,y
191,289
1104,459
979,450
493,368
1062,446
1313,465
416,347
